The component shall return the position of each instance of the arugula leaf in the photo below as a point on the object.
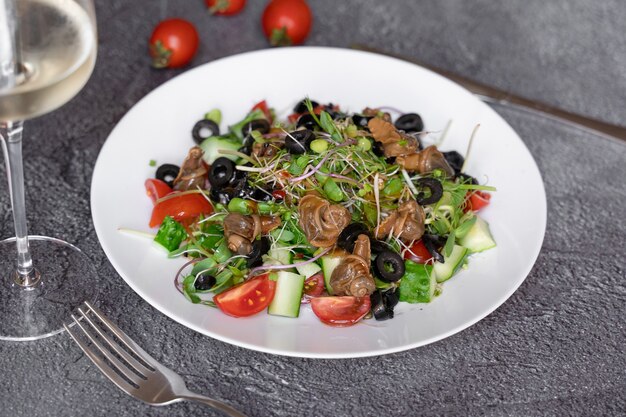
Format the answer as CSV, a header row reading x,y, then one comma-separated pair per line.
x,y
447,249
171,234
189,289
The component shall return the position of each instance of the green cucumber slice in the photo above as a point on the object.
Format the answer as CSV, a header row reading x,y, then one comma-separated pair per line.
x,y
478,238
286,301
444,271
309,269
329,263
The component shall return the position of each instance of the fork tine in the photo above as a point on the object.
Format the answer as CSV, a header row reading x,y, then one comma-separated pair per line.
x,y
102,365
112,343
107,354
130,344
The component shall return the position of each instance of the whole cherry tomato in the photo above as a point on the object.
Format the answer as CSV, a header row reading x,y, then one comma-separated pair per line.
x,y
225,7
173,43
287,22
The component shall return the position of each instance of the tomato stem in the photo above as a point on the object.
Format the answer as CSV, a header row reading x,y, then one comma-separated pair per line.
x,y
160,55
279,37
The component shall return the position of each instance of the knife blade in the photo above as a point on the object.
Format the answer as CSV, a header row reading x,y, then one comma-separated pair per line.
x,y
494,95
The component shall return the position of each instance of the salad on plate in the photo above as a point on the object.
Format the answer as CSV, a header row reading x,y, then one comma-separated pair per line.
x,y
349,213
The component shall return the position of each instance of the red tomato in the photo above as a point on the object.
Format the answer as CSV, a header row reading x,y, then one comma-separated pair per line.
x,y
293,117
173,43
181,208
156,189
225,7
477,200
279,194
340,311
418,253
248,298
262,105
287,22
314,285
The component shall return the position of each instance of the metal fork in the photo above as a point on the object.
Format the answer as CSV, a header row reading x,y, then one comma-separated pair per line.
x,y
149,381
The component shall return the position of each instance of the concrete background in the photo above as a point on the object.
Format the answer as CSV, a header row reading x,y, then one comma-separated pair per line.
x,y
556,347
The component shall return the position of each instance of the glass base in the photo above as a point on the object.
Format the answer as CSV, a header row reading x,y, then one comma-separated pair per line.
x,y
68,278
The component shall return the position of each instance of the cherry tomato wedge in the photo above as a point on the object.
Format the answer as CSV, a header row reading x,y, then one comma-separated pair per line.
x,y
340,311
225,7
313,286
173,43
418,253
477,200
181,208
156,189
279,194
262,105
248,298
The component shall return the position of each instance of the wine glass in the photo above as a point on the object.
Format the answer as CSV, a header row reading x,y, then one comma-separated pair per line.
x,y
47,53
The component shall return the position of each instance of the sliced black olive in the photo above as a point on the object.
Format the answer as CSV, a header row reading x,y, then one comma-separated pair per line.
x,y
378,149
298,141
361,121
435,191
410,122
388,266
244,190
222,195
222,172
167,173
391,298
246,147
307,121
380,310
301,106
259,248
199,131
455,160
433,244
204,282
260,194
378,246
349,235
260,125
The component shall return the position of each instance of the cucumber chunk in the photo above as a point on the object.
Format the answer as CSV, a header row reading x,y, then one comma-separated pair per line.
x,y
329,263
478,238
288,294
278,256
309,269
444,271
212,145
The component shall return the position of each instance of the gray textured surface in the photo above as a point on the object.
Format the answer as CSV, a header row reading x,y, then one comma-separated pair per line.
x,y
555,348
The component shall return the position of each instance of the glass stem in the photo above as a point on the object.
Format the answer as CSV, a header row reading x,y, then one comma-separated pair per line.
x,y
26,275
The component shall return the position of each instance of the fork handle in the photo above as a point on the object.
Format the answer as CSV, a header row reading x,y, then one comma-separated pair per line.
x,y
218,405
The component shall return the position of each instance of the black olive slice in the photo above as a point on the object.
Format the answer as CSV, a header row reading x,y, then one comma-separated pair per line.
x,y
388,266
349,235
301,106
167,173
307,121
361,121
201,126
222,172
380,310
298,141
455,160
204,282
435,191
222,196
260,125
433,245
410,122
391,298
259,248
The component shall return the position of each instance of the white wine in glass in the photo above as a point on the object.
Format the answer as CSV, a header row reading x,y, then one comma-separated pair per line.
x,y
47,54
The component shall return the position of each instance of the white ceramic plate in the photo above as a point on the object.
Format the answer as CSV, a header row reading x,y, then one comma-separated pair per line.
x,y
159,126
